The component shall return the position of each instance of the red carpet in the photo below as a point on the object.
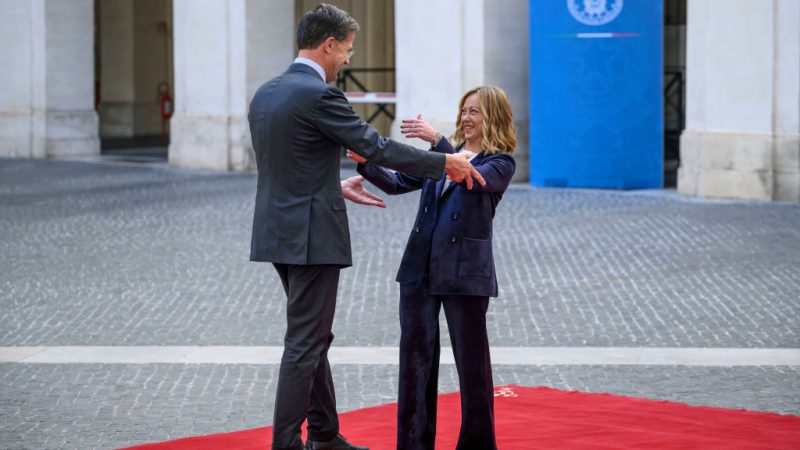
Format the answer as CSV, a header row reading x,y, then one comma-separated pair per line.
x,y
544,418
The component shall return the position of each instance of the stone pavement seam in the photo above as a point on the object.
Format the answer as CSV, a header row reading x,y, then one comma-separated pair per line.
x,y
521,356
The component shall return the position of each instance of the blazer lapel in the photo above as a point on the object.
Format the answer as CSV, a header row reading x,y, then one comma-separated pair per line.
x,y
448,190
439,186
478,158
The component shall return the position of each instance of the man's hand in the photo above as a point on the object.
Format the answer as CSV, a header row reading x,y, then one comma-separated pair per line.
x,y
353,190
459,169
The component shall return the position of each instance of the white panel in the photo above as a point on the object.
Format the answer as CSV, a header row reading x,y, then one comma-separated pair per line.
x,y
787,89
237,57
696,64
472,45
738,60
429,58
270,41
16,49
201,56
70,54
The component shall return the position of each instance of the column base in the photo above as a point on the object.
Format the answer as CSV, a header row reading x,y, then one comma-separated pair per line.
x,y
211,142
787,168
727,165
22,134
72,133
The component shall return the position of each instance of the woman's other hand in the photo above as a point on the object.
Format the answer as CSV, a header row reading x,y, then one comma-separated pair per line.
x,y
418,128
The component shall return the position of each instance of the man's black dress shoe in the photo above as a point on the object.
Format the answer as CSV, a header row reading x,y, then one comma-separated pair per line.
x,y
337,443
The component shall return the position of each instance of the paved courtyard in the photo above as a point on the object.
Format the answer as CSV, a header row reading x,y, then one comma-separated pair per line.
x,y
94,253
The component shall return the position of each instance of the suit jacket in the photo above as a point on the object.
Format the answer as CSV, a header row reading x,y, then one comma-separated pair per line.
x,y
298,125
450,247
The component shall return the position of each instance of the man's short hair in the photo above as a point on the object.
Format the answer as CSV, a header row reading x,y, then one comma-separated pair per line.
x,y
323,22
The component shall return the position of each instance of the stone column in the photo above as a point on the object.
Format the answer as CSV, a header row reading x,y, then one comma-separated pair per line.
x,y
455,46
22,103
47,103
224,49
71,120
270,41
742,136
786,157
431,71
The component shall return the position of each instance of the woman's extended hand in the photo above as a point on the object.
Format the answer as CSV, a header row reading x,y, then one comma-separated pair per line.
x,y
418,128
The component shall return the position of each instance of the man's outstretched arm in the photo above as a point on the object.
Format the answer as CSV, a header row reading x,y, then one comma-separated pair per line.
x,y
336,119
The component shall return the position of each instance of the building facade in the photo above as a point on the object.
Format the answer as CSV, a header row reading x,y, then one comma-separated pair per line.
x,y
82,72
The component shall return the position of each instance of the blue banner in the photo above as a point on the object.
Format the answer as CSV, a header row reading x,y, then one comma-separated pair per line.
x,y
596,93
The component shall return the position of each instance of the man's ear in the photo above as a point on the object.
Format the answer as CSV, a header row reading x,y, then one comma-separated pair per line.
x,y
328,44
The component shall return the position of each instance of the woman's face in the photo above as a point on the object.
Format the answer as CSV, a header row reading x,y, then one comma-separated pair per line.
x,y
471,119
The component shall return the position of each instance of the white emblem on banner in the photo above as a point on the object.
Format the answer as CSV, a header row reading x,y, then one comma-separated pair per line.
x,y
594,12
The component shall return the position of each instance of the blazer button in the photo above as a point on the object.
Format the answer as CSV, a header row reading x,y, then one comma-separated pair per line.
x,y
416,229
453,239
455,216
426,209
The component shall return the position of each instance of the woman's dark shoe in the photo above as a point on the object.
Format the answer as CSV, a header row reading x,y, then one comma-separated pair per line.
x,y
337,443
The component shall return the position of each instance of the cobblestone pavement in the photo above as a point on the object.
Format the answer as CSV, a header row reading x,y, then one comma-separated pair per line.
x,y
114,254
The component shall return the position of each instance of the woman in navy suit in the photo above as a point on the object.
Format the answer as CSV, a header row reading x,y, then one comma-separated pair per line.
x,y
448,263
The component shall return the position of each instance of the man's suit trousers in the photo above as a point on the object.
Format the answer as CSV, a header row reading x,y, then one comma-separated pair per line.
x,y
305,386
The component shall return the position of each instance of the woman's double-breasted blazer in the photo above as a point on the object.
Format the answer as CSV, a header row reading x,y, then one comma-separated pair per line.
x,y
450,246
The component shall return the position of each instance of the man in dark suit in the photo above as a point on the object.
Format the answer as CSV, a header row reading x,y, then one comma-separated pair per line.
x,y
299,125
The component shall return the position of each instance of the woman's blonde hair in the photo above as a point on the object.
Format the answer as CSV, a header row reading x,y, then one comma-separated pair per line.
x,y
499,132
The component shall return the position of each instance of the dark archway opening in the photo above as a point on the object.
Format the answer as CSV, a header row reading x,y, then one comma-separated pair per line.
x,y
134,78
674,86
